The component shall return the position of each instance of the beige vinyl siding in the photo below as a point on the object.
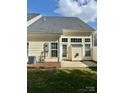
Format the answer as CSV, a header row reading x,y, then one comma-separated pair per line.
x,y
55,59
35,48
95,53
70,32
69,53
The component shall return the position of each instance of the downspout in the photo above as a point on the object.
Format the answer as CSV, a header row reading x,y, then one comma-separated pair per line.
x,y
58,50
92,44
44,53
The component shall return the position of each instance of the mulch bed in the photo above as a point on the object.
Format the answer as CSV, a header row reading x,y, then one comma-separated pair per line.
x,y
45,65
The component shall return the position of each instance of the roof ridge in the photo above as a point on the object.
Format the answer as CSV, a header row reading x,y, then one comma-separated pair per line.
x,y
59,16
33,13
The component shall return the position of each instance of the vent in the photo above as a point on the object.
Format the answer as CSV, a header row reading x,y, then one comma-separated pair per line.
x,y
44,19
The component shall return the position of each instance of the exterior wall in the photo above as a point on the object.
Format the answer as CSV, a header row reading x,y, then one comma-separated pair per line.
x,y
52,59
70,32
95,53
40,37
69,44
35,48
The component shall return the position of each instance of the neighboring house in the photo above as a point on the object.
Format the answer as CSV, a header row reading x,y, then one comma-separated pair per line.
x,y
95,39
54,38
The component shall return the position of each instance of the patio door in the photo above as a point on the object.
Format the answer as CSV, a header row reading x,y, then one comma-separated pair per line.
x,y
76,52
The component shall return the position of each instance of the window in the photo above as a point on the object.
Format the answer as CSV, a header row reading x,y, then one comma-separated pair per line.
x,y
87,45
54,46
64,48
54,49
87,50
76,40
87,39
88,53
54,53
64,40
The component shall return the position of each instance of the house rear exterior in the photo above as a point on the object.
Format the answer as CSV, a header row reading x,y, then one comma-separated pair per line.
x,y
55,38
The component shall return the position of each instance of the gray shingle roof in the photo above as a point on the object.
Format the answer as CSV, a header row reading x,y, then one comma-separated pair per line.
x,y
53,24
31,15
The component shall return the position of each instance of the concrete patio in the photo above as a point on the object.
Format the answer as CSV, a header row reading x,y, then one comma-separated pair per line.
x,y
63,64
78,64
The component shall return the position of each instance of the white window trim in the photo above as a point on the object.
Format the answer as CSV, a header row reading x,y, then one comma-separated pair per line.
x,y
53,49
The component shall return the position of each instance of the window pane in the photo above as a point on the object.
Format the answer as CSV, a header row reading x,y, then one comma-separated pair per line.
x,y
87,45
87,50
64,40
64,54
88,53
54,53
54,46
87,39
76,40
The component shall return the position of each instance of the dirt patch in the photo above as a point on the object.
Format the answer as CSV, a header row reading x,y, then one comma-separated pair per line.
x,y
45,65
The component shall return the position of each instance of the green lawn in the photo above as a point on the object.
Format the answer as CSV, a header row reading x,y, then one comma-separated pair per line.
x,y
82,80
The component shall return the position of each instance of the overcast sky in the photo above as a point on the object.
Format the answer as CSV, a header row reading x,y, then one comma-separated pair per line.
x,y
86,10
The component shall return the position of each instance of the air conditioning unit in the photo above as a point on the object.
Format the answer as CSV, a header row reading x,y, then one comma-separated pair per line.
x,y
31,59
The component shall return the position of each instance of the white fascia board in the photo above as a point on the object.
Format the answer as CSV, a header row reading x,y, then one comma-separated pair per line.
x,y
33,20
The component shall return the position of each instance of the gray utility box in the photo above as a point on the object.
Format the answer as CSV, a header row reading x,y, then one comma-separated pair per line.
x,y
46,47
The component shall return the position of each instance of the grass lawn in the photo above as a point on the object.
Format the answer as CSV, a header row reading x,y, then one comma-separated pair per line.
x,y
80,80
